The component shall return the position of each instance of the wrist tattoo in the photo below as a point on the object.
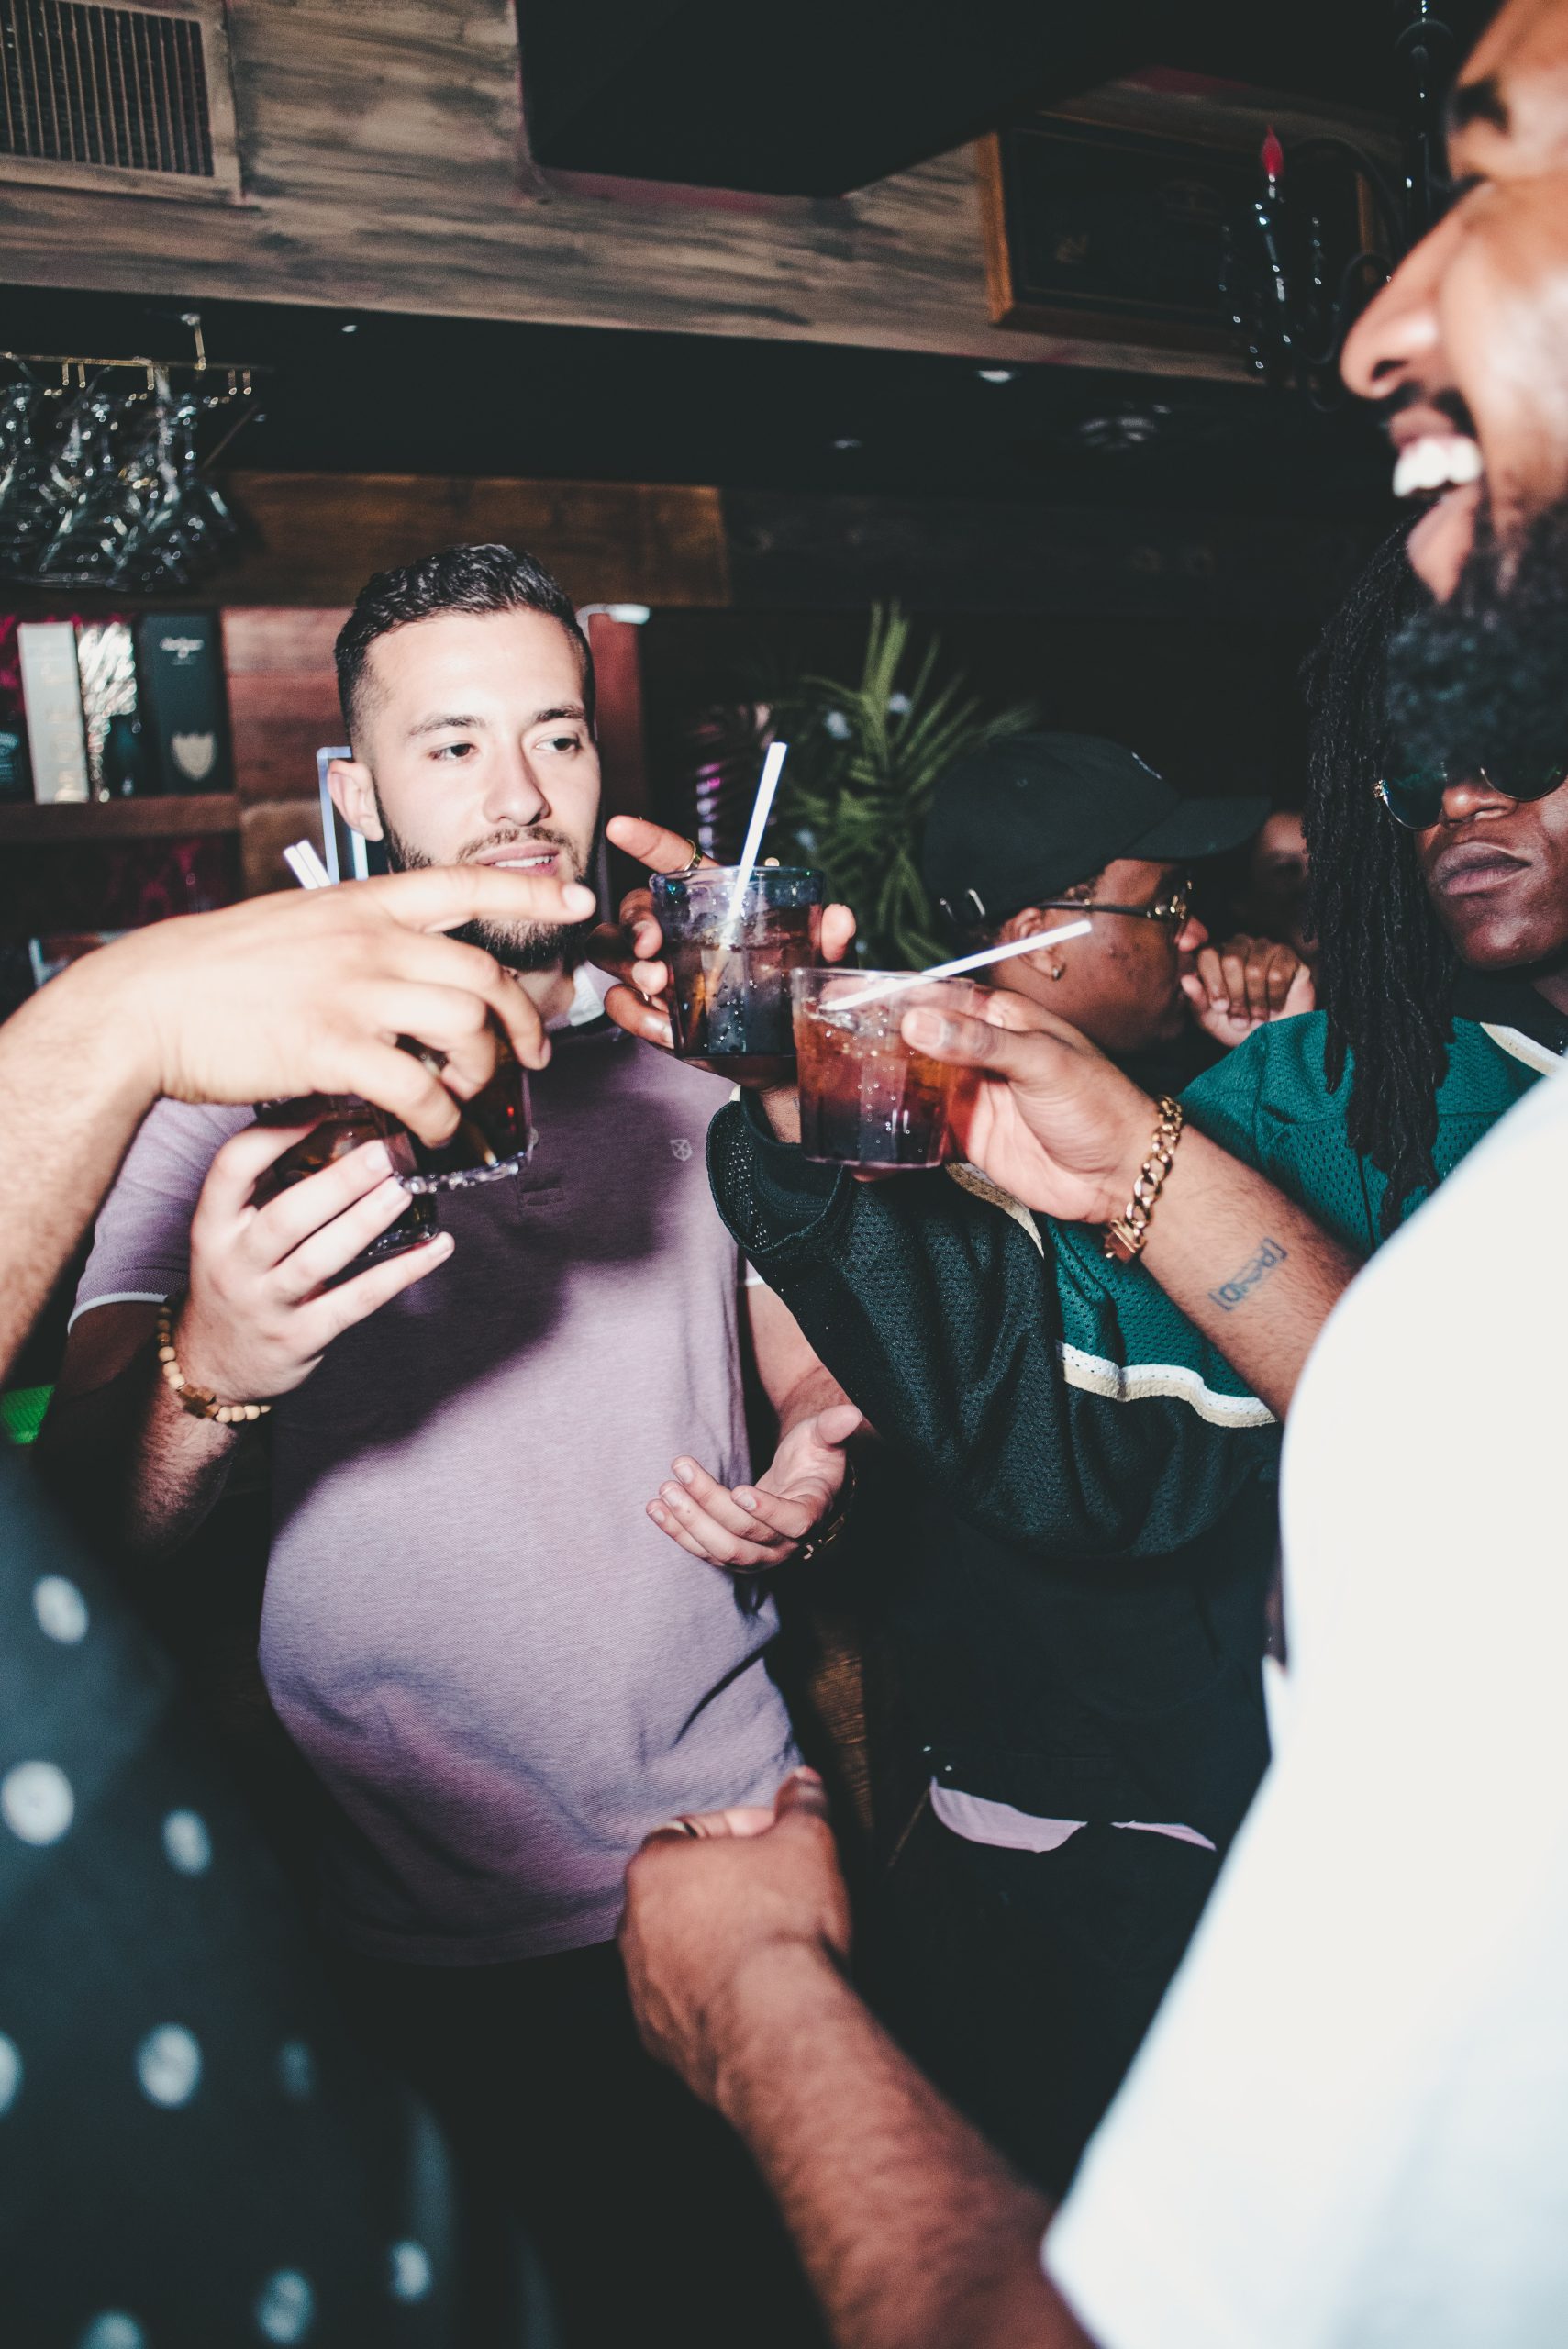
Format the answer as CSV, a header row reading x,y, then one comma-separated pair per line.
x,y
1239,1287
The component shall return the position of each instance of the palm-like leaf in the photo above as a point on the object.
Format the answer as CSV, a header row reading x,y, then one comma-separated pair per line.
x,y
863,761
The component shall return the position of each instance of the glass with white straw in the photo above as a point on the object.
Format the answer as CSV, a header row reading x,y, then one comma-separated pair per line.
x,y
732,936
867,1097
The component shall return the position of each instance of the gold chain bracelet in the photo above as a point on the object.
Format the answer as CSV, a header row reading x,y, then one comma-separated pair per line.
x,y
1126,1234
200,1403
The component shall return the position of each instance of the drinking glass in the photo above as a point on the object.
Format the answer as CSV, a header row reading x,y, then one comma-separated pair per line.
x,y
729,970
867,1098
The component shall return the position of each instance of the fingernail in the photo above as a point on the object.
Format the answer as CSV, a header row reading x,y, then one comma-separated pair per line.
x,y
807,1776
926,1027
747,1500
378,1159
655,1512
683,1470
576,899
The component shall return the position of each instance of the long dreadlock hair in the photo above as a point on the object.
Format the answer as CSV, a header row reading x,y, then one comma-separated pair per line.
x,y
1386,971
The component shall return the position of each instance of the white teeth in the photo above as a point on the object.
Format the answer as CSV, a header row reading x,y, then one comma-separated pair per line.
x,y
1437,461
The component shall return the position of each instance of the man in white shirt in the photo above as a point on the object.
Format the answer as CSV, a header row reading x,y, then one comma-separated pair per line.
x,y
1349,2126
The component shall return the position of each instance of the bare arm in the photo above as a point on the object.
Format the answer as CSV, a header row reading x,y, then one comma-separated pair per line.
x,y
1056,1125
116,1438
796,1382
1246,1266
75,1082
761,1525
278,997
914,2234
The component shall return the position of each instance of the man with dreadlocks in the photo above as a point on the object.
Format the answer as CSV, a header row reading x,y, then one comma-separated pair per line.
x,y
1442,909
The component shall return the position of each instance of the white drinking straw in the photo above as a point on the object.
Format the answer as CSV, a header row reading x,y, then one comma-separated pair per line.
x,y
307,866
772,766
1036,938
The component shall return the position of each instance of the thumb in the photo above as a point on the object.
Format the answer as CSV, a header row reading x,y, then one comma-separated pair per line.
x,y
802,1792
640,1018
971,1043
1303,995
836,1425
1195,990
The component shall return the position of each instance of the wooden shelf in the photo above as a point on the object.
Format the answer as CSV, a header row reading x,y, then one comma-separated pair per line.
x,y
152,818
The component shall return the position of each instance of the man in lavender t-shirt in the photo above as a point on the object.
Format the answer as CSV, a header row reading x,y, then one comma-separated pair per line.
x,y
502,1673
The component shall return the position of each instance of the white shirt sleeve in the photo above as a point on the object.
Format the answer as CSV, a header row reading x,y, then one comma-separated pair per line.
x,y
1349,2126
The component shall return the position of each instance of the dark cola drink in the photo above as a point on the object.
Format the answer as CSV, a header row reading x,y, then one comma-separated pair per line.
x,y
867,1098
343,1122
730,963
493,1138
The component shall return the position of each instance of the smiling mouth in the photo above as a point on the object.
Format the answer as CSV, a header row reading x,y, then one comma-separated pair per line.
x,y
539,860
1445,473
1435,462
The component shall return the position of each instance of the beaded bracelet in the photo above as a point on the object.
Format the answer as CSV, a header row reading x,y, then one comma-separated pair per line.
x,y
200,1403
1125,1235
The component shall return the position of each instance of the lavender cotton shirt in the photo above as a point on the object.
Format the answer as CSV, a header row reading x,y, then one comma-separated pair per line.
x,y
501,1670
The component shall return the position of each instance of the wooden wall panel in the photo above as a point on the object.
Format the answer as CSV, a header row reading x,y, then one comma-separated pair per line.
x,y
380,147
314,539
960,554
282,708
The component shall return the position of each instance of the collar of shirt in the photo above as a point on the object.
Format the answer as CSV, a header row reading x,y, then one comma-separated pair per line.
x,y
589,988
1503,999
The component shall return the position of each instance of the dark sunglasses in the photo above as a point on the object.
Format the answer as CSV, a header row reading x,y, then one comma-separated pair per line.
x,y
1416,800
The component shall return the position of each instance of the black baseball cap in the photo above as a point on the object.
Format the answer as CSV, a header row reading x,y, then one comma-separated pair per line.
x,y
1026,819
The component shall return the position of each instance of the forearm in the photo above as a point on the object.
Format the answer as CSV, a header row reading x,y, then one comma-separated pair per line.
x,y
951,1324
72,1095
1247,1267
913,2233
147,1471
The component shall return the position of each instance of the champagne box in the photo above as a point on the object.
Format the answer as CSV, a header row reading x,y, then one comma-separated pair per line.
x,y
179,665
51,696
108,667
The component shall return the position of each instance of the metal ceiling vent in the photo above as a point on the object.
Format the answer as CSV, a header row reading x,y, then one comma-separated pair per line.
x,y
121,97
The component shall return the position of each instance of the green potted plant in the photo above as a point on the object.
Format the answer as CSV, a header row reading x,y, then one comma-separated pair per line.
x,y
864,760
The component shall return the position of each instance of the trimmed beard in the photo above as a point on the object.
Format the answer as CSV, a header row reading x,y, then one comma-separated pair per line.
x,y
1482,680
531,946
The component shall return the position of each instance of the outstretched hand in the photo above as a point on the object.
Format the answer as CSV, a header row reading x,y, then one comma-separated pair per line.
x,y
630,948
1051,1121
752,1528
704,1900
308,992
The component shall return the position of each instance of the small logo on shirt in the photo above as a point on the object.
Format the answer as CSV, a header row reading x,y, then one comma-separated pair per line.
x,y
680,1148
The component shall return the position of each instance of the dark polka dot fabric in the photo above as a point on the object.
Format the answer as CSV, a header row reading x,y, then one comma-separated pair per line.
x,y
193,2154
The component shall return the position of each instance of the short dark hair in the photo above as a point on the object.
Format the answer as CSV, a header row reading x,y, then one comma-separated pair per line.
x,y
460,579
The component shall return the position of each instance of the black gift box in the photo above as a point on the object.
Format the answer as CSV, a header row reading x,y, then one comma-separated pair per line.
x,y
179,663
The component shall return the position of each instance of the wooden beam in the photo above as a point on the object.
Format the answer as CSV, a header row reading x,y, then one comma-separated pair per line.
x,y
314,539
383,151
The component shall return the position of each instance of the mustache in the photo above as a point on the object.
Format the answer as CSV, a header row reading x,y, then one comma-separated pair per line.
x,y
534,836
1448,403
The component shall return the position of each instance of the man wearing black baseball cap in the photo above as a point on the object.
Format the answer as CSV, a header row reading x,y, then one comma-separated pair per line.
x,y
1045,822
